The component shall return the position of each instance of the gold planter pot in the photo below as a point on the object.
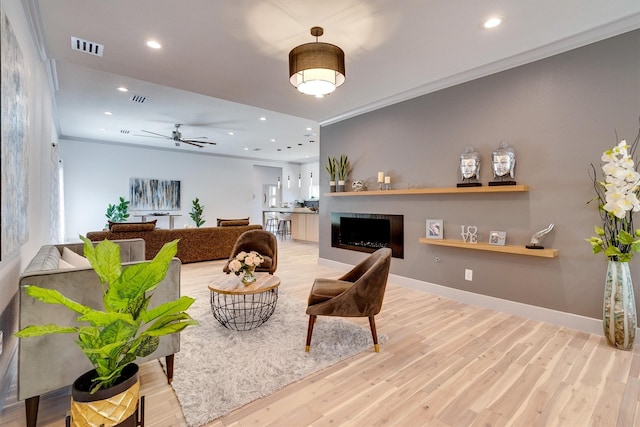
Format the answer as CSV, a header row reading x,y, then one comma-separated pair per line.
x,y
115,406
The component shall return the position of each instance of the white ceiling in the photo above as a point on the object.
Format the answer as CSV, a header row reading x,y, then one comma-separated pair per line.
x,y
224,63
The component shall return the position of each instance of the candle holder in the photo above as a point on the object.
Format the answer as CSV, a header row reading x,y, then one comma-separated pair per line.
x,y
387,182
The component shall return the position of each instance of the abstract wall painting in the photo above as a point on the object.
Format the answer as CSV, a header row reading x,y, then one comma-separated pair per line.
x,y
154,195
14,143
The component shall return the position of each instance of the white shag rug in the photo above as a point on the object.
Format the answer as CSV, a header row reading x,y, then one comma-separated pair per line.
x,y
218,370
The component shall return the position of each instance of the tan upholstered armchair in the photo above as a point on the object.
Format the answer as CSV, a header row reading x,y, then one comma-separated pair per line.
x,y
261,241
358,293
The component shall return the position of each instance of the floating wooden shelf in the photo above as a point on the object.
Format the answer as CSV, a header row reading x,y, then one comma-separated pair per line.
x,y
435,190
511,249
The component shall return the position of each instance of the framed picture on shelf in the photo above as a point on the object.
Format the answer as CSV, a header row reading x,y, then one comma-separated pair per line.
x,y
435,228
497,238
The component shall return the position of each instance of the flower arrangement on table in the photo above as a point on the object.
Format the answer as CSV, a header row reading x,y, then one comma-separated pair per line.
x,y
245,263
617,197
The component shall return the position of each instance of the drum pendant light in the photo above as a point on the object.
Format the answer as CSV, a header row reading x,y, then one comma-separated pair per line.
x,y
316,68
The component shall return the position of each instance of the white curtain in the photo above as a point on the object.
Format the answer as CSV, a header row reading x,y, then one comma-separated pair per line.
x,y
56,202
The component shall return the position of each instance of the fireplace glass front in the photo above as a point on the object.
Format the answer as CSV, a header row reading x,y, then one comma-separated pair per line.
x,y
366,232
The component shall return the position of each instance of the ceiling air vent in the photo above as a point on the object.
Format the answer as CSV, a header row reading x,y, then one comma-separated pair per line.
x,y
138,98
257,149
124,131
86,46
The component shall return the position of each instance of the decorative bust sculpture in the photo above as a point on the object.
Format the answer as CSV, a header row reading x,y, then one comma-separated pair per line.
x,y
470,168
504,163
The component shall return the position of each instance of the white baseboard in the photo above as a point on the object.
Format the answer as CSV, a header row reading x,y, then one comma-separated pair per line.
x,y
559,318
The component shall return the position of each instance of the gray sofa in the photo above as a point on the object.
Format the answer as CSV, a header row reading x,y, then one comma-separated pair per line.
x,y
54,361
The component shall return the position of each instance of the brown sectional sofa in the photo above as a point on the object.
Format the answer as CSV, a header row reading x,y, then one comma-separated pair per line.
x,y
196,244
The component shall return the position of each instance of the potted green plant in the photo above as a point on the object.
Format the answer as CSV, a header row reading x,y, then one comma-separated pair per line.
x,y
117,213
342,166
330,166
196,212
120,333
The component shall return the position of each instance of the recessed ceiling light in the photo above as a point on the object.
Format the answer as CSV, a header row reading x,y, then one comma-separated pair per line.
x,y
153,44
108,113
103,130
231,133
246,148
492,22
123,89
273,140
263,119
309,129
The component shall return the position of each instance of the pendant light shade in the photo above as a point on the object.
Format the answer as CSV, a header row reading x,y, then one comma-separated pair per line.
x,y
316,68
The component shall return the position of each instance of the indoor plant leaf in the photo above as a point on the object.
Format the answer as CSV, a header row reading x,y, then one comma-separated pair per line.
x,y
170,307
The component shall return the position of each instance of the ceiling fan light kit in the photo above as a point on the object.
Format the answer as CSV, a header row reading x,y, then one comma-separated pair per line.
x,y
316,68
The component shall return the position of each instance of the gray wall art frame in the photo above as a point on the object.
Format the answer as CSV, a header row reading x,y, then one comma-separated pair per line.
x,y
14,151
154,194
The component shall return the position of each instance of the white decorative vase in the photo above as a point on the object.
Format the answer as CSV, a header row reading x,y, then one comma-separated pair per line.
x,y
332,186
340,185
619,309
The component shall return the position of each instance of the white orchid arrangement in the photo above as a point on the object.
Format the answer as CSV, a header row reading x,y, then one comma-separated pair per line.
x,y
245,261
617,198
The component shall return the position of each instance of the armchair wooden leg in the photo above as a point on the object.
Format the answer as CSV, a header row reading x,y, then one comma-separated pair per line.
x,y
169,360
312,321
372,323
31,409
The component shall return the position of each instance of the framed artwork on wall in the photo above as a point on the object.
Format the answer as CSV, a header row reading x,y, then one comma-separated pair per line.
x,y
154,195
435,228
14,147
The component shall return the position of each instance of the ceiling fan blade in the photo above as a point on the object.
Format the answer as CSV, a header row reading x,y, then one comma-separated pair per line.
x,y
186,141
199,142
153,133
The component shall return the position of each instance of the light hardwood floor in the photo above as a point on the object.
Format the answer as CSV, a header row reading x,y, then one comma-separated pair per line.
x,y
445,364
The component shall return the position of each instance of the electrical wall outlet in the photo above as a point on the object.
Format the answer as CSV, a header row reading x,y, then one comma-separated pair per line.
x,y
468,274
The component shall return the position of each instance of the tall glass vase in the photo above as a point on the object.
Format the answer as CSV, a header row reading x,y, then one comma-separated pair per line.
x,y
619,309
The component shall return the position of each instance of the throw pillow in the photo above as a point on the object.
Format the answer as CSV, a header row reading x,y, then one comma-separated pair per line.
x,y
62,264
74,259
244,220
119,227
232,223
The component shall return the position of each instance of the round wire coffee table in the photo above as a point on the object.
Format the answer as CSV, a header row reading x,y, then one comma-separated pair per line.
x,y
244,307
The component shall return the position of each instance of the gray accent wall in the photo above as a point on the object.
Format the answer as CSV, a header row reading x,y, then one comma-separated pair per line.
x,y
559,114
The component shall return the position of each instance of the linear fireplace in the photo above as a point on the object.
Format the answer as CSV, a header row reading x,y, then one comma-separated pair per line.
x,y
367,232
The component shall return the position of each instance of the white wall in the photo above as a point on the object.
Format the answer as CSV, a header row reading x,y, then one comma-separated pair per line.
x,y
97,174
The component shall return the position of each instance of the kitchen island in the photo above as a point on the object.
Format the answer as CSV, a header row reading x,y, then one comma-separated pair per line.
x,y
305,224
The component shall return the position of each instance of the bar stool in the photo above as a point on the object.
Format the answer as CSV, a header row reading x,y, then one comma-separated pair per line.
x,y
271,222
284,224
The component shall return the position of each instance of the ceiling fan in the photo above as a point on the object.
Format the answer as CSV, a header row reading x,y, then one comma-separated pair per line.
x,y
176,136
